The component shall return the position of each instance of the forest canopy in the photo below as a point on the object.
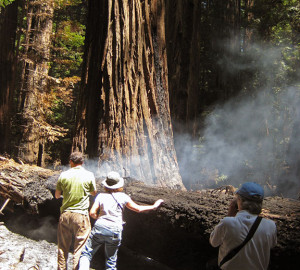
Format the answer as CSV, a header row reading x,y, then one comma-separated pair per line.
x,y
186,94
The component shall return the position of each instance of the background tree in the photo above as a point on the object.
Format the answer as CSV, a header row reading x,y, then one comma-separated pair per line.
x,y
8,28
50,54
33,101
196,32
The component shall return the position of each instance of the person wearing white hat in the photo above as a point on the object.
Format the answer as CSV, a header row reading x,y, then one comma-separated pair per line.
x,y
232,231
107,210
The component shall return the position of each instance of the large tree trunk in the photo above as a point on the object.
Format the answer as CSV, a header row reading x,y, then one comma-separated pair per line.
x,y
8,28
125,109
34,81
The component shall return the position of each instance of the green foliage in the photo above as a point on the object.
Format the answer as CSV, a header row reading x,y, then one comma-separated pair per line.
x,y
69,36
69,48
64,3
4,3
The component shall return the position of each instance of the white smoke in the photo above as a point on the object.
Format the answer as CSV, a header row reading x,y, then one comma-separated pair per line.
x,y
250,137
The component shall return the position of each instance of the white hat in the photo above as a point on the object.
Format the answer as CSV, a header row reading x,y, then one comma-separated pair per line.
x,y
113,181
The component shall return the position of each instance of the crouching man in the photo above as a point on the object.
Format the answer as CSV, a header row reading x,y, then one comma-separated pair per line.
x,y
233,229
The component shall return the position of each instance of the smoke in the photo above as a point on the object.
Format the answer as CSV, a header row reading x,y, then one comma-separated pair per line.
x,y
252,137
33,227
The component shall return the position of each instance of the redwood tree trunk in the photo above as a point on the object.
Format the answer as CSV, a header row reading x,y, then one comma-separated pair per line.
x,y
126,92
248,31
8,28
34,80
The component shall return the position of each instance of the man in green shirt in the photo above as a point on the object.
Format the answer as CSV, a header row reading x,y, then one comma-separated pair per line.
x,y
75,185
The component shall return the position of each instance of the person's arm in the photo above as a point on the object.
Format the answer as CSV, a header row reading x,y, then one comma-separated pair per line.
x,y
217,235
233,208
93,186
142,208
94,210
58,190
57,194
94,193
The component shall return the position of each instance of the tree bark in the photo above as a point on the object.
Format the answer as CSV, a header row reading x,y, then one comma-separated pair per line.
x,y
8,28
25,184
34,81
127,105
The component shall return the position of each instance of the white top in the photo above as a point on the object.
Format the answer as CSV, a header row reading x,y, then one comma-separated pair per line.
x,y
110,214
231,232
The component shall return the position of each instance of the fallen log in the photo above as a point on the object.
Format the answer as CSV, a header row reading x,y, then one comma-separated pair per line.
x,y
24,184
177,233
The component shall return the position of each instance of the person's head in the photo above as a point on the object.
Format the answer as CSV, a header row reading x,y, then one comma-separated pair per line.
x,y
250,195
113,182
76,158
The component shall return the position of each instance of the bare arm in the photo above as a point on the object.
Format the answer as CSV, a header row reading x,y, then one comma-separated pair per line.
x,y
57,194
142,208
94,210
94,193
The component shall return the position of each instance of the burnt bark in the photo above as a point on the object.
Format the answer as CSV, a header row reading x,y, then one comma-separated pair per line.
x,y
8,28
176,235
24,184
124,116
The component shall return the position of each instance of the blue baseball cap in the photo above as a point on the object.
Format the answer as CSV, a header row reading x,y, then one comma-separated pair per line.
x,y
251,191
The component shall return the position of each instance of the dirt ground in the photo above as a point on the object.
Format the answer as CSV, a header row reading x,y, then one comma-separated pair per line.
x,y
21,248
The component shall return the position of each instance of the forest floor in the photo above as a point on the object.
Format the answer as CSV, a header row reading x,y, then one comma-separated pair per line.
x,y
19,252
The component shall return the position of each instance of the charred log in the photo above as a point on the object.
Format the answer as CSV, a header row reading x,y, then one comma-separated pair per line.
x,y
24,184
177,235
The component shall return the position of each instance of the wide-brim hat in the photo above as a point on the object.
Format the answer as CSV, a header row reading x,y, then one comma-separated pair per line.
x,y
113,181
251,191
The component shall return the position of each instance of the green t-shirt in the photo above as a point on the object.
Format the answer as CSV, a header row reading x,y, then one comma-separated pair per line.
x,y
75,185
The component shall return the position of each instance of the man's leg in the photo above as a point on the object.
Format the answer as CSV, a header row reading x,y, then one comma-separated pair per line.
x,y
64,239
82,228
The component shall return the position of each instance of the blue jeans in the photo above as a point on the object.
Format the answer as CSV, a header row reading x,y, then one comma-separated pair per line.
x,y
101,235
